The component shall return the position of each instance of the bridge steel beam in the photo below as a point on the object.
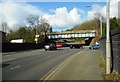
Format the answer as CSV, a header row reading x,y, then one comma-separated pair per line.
x,y
72,34
75,35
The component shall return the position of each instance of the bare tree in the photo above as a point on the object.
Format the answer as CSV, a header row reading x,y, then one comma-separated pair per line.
x,y
99,17
33,21
4,26
44,26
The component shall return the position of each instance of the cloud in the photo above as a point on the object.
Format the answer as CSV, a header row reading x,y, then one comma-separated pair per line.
x,y
114,8
80,10
63,18
102,10
53,0
60,18
16,13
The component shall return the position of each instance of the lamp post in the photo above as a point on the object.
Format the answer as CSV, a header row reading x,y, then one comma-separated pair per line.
x,y
119,13
108,47
100,18
100,25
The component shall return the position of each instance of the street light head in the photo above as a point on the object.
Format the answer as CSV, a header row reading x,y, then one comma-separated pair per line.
x,y
88,6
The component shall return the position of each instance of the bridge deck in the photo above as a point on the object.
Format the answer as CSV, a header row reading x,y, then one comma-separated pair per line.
x,y
72,34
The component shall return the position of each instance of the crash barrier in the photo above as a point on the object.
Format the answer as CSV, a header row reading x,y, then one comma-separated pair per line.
x,y
10,47
115,48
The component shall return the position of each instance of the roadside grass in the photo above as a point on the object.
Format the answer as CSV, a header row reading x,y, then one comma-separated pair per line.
x,y
114,76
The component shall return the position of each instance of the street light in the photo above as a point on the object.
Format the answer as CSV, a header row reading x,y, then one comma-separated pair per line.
x,y
119,13
108,47
101,25
100,18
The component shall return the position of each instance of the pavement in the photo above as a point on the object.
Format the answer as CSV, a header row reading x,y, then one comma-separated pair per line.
x,y
81,66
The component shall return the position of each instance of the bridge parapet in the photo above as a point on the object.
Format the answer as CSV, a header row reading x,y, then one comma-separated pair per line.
x,y
72,34
80,31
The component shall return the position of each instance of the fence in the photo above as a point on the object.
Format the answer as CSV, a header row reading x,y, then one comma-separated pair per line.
x,y
9,47
115,48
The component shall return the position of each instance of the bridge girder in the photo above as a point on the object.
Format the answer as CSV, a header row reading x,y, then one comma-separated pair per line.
x,y
72,35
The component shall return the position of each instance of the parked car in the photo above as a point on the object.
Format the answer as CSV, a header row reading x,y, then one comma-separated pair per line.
x,y
50,46
75,46
94,47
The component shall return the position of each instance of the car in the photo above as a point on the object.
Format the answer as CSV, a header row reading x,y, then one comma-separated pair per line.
x,y
59,44
50,46
75,46
94,47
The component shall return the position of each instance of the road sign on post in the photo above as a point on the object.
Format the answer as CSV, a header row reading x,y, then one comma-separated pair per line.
x,y
36,38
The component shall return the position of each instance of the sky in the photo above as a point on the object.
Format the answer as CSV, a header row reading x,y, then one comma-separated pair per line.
x,y
60,15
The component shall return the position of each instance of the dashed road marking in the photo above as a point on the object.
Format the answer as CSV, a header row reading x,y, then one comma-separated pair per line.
x,y
8,59
15,67
49,56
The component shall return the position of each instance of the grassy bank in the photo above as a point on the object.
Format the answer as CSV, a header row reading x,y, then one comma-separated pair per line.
x,y
102,63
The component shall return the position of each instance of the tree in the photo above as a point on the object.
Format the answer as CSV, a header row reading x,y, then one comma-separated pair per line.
x,y
33,20
44,26
88,25
119,22
113,23
4,26
22,32
12,35
28,33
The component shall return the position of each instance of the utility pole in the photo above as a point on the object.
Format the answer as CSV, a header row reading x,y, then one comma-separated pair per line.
x,y
119,13
108,47
100,25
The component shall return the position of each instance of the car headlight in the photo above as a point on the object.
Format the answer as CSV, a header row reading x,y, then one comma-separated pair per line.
x,y
47,46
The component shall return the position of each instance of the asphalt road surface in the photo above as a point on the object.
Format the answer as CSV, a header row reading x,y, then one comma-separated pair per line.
x,y
33,65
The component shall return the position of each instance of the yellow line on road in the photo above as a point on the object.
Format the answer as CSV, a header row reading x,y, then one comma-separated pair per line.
x,y
52,72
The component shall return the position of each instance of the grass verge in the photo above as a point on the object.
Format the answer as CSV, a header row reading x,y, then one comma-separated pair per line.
x,y
114,76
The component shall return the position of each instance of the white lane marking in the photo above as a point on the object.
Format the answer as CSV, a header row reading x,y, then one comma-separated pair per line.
x,y
8,59
33,54
36,54
49,56
15,67
16,53
6,55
